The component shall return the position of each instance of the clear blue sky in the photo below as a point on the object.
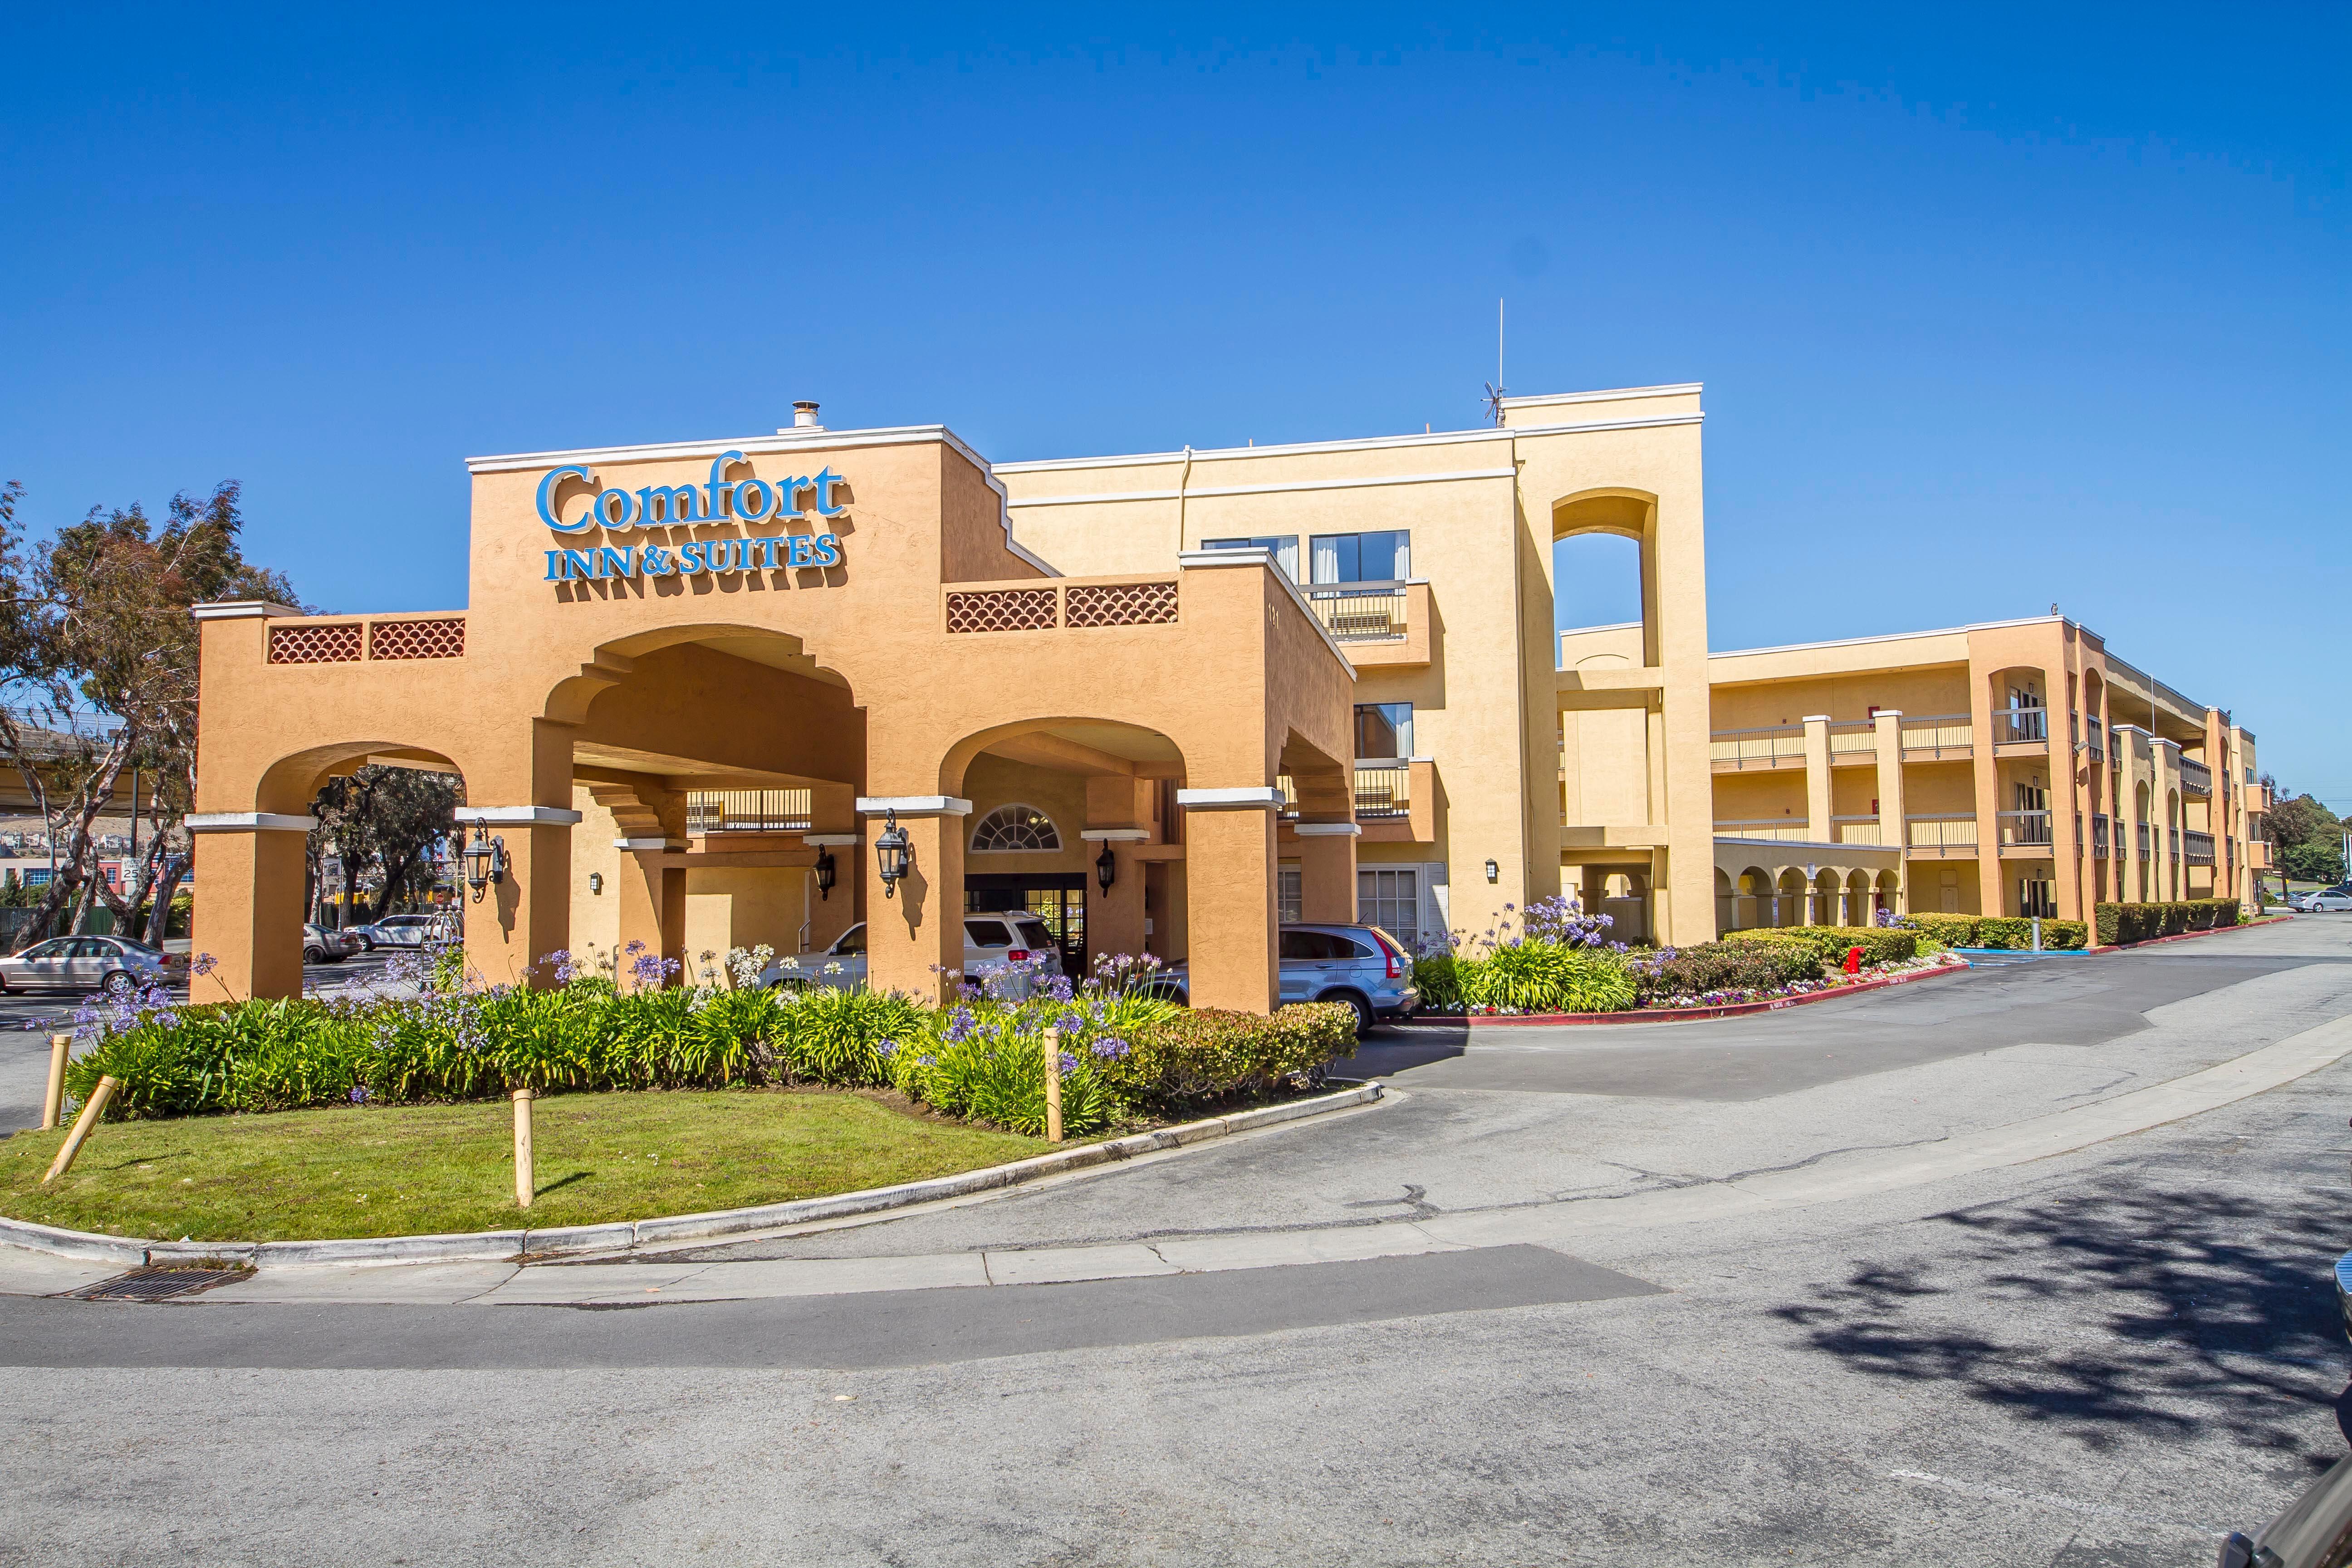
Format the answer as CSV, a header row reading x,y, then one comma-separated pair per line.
x,y
1994,306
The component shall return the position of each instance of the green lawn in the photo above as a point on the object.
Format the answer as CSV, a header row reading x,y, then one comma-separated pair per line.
x,y
418,1169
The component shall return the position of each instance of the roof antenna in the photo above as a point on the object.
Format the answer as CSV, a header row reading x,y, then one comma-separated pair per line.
x,y
1494,388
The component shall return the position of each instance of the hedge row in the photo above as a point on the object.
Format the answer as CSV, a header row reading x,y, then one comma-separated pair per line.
x,y
984,1058
2139,922
2011,933
1711,968
1529,977
1879,944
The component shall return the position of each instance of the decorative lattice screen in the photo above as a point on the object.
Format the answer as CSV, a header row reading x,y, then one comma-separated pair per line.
x,y
338,644
417,639
1123,604
1001,610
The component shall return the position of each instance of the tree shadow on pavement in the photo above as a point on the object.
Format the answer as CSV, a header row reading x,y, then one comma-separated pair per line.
x,y
2109,1307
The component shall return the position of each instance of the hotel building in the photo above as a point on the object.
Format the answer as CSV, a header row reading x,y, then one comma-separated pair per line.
x,y
1166,701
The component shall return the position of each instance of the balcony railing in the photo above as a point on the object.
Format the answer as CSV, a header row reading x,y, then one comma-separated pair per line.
x,y
1757,748
1852,736
1360,612
1383,789
2020,724
747,811
1940,734
2198,848
2145,841
1775,827
2026,827
2196,778
2099,835
1941,832
1856,831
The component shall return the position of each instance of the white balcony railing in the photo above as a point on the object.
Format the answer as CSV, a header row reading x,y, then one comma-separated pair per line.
x,y
1775,827
1958,832
1757,748
1942,734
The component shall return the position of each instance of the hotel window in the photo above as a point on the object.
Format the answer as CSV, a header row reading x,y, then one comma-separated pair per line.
x,y
1391,901
1284,546
1015,827
1383,730
1385,557
1288,898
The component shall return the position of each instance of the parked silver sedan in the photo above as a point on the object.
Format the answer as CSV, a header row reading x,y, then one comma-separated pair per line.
x,y
114,964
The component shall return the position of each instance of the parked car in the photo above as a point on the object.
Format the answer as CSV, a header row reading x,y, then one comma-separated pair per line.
x,y
320,945
1361,965
406,931
992,943
114,964
2326,900
2314,1531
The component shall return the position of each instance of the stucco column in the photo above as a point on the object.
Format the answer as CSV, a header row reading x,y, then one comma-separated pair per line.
x,y
1985,771
1817,778
1326,871
527,913
1230,882
248,916
914,933
1893,831
653,907
1115,918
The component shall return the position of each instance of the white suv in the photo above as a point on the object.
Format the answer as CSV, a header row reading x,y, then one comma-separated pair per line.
x,y
992,943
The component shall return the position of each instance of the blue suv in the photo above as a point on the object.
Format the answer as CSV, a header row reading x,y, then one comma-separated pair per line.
x,y
1361,965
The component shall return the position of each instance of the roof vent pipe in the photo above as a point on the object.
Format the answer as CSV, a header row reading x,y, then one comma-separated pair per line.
x,y
804,416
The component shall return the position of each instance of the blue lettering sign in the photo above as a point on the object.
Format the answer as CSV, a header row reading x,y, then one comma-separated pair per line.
x,y
547,500
744,500
828,548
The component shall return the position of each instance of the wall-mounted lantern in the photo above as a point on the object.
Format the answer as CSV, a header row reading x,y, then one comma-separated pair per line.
x,y
486,862
596,882
1493,873
824,872
1106,867
892,856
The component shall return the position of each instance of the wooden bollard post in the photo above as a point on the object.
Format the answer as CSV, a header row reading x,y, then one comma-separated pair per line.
x,y
53,1106
524,1184
83,1126
1053,1086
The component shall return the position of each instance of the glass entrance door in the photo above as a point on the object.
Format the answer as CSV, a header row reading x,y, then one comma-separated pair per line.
x,y
1056,898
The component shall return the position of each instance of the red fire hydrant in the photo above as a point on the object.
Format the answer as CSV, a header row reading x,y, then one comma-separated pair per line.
x,y
1854,961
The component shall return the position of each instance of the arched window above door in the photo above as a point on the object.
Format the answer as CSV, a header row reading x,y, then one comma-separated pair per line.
x,y
1015,827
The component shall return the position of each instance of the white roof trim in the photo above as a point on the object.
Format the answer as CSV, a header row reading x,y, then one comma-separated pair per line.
x,y
519,816
246,822
1117,834
1326,831
240,610
1367,482
1617,394
649,844
1246,798
1367,444
913,805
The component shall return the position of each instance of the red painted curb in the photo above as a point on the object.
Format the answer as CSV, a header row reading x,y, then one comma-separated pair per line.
x,y
1681,1015
2189,935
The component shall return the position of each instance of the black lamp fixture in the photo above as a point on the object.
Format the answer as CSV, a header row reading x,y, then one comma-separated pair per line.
x,y
892,856
1493,873
1106,867
824,872
486,862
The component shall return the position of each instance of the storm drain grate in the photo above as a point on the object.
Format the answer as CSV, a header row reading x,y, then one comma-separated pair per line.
x,y
156,1284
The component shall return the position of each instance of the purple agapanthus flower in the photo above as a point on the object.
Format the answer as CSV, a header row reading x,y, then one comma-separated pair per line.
x,y
1111,1047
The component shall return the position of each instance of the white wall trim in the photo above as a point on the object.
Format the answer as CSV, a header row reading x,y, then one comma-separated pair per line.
x,y
649,845
246,822
1366,444
1618,395
913,805
1250,797
1326,831
830,840
240,610
1367,482
1117,835
519,816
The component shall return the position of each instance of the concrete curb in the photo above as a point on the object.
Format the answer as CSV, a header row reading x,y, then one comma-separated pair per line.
x,y
1682,1014
505,1245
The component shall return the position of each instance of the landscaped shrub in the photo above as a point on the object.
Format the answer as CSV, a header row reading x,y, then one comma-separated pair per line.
x,y
1712,968
2065,934
1947,930
2124,923
2006,932
993,1068
1879,944
1209,1053
1438,978
1548,977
